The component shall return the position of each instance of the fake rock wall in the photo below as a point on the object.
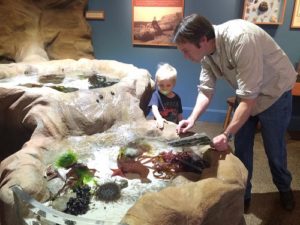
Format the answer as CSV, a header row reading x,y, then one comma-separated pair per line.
x,y
33,31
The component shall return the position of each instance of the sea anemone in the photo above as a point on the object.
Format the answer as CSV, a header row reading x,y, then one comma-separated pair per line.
x,y
108,192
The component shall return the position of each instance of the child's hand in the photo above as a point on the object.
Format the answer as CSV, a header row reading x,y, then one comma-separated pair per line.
x,y
160,123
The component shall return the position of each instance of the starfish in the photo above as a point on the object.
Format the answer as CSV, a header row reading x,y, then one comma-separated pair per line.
x,y
117,172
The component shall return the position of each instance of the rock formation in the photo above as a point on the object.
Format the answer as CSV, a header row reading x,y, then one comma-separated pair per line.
x,y
39,117
34,31
217,198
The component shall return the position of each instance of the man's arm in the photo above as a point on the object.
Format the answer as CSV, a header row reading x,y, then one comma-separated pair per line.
x,y
201,105
202,102
240,116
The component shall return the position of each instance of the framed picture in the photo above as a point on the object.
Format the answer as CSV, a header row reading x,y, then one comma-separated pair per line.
x,y
264,11
153,21
296,15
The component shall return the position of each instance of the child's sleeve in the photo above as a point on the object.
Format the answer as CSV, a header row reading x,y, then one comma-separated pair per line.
x,y
154,100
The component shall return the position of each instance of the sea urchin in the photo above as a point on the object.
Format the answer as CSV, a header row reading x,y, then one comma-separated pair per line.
x,y
108,192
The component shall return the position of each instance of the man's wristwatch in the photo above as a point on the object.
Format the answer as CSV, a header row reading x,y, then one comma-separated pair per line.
x,y
229,136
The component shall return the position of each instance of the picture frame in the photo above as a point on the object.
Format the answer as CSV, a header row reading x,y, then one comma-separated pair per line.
x,y
295,23
153,22
269,12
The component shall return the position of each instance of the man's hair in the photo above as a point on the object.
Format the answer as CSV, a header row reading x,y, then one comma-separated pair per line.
x,y
192,28
165,72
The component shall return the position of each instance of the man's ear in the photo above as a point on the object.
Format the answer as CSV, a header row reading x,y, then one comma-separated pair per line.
x,y
199,44
201,41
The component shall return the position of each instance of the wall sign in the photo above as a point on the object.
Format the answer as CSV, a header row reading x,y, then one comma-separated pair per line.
x,y
153,21
94,15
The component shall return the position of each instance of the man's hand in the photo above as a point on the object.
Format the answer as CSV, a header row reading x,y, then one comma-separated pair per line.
x,y
220,142
200,106
184,126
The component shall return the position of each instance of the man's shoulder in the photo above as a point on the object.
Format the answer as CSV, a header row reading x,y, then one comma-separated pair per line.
x,y
235,31
237,27
236,22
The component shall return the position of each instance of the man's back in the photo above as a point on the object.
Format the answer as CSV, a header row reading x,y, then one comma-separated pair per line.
x,y
252,62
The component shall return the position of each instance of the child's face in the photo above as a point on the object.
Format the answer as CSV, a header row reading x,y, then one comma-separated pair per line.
x,y
165,86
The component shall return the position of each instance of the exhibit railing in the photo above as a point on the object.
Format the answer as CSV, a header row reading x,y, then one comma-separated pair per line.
x,y
43,215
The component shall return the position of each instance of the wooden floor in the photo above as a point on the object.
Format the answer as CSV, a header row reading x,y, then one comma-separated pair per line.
x,y
265,207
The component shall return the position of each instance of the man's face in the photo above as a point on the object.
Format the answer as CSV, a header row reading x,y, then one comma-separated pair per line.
x,y
191,51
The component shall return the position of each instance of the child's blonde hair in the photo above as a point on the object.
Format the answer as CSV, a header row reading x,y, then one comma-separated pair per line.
x,y
165,72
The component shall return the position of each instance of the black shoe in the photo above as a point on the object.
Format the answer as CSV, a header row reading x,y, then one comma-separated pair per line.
x,y
287,200
247,203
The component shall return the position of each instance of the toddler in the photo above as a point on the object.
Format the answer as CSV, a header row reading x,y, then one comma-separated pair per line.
x,y
165,103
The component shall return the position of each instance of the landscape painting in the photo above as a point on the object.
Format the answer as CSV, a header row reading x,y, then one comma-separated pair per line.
x,y
154,21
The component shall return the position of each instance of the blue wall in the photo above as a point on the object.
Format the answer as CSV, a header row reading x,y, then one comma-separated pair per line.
x,y
112,40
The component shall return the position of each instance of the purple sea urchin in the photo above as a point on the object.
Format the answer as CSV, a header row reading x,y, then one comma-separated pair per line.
x,y
108,192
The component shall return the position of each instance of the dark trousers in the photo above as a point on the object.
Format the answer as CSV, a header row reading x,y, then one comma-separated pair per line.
x,y
274,122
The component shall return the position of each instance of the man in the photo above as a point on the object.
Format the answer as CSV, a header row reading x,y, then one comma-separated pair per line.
x,y
262,76
156,27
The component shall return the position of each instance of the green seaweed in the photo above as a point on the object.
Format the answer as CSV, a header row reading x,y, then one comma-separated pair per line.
x,y
122,151
85,176
64,89
67,159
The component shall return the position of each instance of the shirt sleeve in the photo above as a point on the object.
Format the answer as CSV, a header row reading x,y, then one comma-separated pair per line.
x,y
207,78
154,99
247,54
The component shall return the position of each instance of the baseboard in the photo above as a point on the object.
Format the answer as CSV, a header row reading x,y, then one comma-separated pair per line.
x,y
211,115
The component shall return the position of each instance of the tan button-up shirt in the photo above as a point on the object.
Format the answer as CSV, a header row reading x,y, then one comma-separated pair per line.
x,y
251,61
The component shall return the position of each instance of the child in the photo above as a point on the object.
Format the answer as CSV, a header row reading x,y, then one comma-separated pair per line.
x,y
165,104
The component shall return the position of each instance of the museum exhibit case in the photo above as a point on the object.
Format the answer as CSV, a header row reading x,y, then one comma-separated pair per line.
x,y
77,147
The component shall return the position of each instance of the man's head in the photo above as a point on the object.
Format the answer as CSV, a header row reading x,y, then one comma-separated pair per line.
x,y
165,78
194,36
192,28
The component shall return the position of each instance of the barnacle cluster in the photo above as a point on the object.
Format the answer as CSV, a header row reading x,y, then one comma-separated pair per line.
x,y
99,81
80,204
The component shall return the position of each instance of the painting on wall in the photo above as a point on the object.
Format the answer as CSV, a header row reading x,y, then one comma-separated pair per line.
x,y
296,15
264,11
153,21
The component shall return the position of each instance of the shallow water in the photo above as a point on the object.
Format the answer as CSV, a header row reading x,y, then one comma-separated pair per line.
x,y
103,159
